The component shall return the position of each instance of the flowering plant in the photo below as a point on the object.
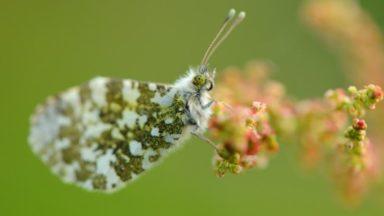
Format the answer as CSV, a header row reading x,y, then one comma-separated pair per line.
x,y
256,111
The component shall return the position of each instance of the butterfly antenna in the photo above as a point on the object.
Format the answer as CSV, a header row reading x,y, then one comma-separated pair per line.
x,y
235,23
229,17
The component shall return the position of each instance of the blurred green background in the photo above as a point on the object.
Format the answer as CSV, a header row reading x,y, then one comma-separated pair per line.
x,y
47,46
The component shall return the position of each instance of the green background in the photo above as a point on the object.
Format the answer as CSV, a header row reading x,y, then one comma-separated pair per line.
x,y
47,46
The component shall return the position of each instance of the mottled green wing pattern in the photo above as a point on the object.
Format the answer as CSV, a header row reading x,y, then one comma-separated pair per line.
x,y
108,131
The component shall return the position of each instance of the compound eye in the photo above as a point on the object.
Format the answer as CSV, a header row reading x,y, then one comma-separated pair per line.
x,y
209,85
199,81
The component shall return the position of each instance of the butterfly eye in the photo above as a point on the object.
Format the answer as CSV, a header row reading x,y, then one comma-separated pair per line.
x,y
199,81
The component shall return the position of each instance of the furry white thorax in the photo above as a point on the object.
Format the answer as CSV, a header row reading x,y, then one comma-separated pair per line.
x,y
196,99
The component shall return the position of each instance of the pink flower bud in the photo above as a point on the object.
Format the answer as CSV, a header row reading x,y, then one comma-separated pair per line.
x,y
378,93
253,142
257,107
359,124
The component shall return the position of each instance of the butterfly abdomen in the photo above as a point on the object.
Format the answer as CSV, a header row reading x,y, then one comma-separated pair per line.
x,y
108,131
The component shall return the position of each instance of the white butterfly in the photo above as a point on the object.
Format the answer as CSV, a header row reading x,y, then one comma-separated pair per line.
x,y
107,132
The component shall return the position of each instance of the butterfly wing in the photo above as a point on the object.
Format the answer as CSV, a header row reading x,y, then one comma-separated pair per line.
x,y
107,132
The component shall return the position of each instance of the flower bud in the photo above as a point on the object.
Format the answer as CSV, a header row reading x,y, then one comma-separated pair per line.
x,y
359,124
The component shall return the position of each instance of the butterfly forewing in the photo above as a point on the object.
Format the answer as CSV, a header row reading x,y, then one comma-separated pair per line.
x,y
106,132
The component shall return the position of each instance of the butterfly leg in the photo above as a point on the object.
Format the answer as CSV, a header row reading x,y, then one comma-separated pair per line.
x,y
205,139
208,105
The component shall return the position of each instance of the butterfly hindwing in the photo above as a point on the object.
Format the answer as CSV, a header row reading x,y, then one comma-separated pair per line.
x,y
106,132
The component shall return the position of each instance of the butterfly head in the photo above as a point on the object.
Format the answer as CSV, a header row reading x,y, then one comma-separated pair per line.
x,y
204,79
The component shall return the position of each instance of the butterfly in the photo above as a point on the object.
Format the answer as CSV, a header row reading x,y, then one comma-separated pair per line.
x,y
107,132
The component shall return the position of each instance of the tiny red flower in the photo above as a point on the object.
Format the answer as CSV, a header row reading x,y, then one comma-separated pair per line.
x,y
378,93
360,124
253,142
